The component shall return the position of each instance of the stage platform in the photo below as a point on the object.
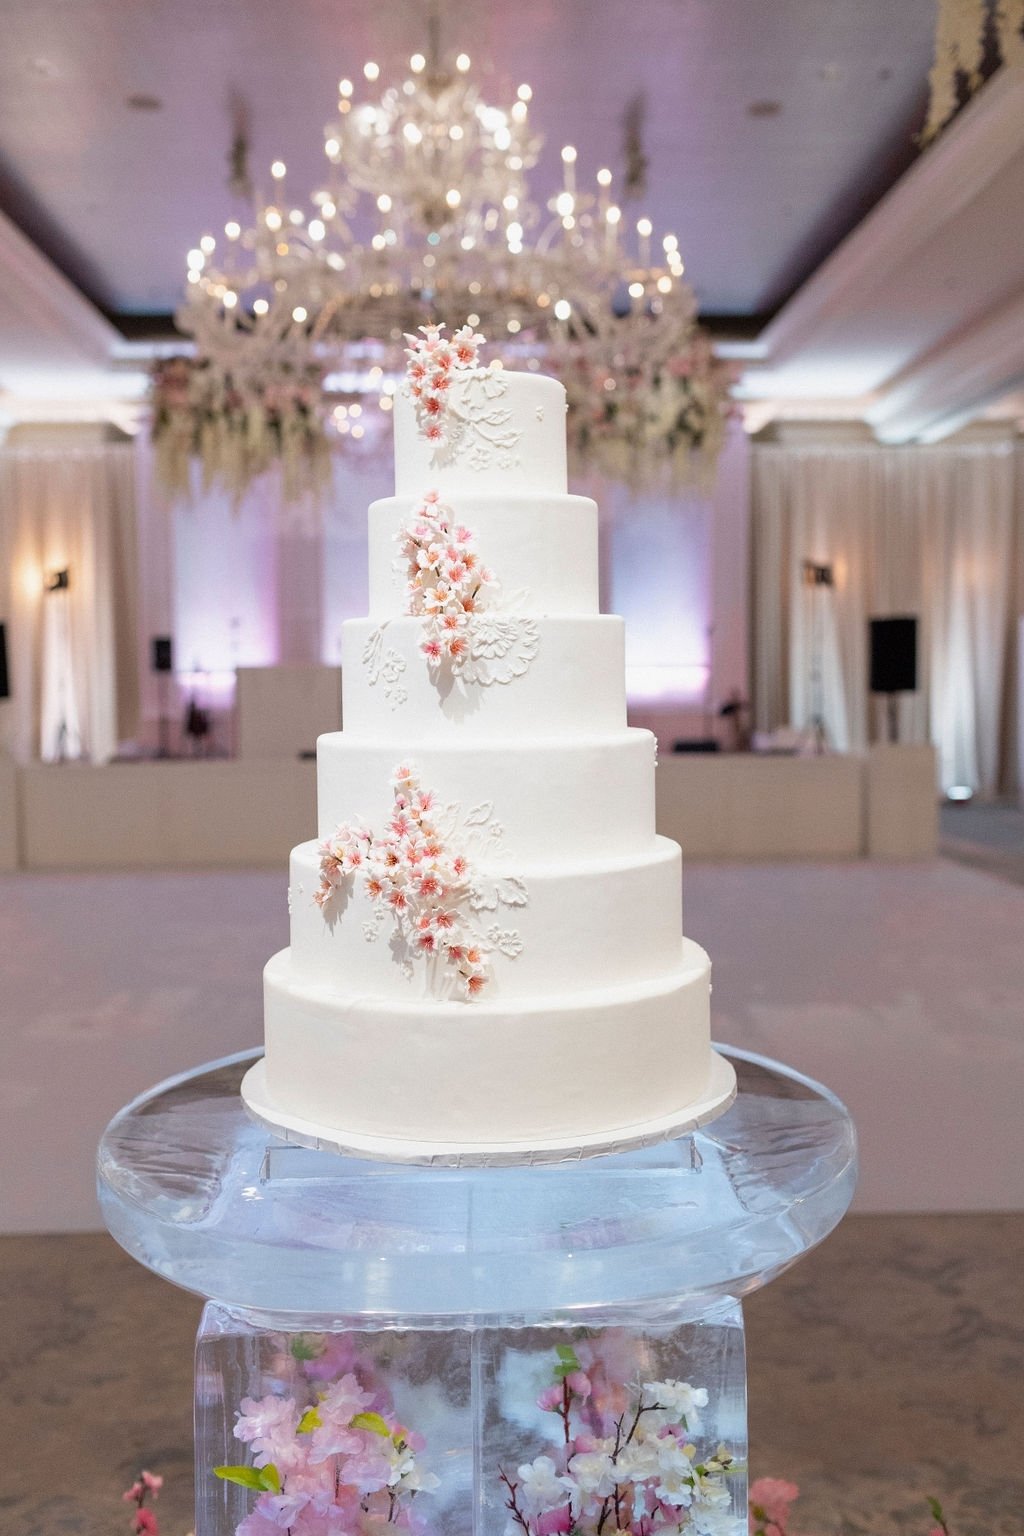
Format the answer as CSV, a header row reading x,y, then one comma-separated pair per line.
x,y
249,812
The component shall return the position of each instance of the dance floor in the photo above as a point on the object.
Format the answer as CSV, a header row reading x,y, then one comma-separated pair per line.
x,y
900,986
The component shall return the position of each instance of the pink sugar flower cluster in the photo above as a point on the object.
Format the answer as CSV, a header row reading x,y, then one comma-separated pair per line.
x,y
340,1465
144,1521
445,580
626,1464
432,364
411,873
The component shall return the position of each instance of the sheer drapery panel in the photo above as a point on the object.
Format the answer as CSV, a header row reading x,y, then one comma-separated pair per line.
x,y
928,531
72,651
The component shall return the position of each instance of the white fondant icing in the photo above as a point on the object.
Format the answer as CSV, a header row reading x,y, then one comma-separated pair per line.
x,y
490,1071
536,462
582,799
574,683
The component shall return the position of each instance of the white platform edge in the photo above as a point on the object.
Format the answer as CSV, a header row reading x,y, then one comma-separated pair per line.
x,y
720,1095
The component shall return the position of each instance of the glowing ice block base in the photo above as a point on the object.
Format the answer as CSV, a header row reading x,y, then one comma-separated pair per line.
x,y
449,1349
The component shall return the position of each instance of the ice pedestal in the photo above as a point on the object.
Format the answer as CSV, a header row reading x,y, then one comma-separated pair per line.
x,y
449,1327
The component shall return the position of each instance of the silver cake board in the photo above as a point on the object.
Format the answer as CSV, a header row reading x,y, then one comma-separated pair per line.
x,y
718,1096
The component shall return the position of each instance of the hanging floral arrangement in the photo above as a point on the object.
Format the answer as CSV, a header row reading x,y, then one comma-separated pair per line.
x,y
239,426
656,421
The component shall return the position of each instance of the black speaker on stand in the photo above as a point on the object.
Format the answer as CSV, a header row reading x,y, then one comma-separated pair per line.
x,y
5,686
162,662
893,652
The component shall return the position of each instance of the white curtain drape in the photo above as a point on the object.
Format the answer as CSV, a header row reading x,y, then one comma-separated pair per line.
x,y
929,531
72,655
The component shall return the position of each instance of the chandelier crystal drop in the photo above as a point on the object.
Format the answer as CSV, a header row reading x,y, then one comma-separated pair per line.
x,y
426,214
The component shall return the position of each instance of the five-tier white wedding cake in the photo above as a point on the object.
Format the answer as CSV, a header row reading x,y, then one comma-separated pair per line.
x,y
486,955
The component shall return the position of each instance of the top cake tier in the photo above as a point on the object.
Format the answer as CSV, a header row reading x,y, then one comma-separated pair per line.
x,y
503,432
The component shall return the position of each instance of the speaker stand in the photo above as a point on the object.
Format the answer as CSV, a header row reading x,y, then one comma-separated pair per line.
x,y
163,741
892,710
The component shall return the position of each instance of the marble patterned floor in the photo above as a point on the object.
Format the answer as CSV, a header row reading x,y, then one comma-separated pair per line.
x,y
883,1368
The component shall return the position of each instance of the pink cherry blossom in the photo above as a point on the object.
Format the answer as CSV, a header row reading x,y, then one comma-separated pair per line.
x,y
774,1496
268,1425
430,363
553,1522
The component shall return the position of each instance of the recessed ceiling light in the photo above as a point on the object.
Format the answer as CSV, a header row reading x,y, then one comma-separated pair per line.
x,y
142,101
831,72
764,109
45,67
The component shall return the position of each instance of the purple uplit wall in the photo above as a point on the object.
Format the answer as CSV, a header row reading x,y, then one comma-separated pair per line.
x,y
658,554
225,586
233,589
345,589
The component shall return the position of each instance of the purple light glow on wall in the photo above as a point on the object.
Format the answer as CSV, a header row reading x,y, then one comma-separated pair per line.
x,y
225,587
243,597
659,568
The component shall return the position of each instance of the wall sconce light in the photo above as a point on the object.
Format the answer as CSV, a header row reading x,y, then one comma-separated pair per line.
x,y
817,575
58,581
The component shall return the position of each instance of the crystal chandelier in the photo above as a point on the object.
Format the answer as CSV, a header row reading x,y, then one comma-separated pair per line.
x,y
426,214
964,32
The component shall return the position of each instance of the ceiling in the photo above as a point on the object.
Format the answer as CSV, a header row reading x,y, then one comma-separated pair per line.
x,y
852,277
117,194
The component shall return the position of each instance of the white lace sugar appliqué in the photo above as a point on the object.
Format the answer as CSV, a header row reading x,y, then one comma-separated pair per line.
x,y
472,422
385,668
422,870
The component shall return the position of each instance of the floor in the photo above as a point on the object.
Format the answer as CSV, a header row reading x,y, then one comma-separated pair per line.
x,y
901,986
884,1368
986,836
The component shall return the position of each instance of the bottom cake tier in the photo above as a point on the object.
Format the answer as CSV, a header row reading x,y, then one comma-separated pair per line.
x,y
426,1081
